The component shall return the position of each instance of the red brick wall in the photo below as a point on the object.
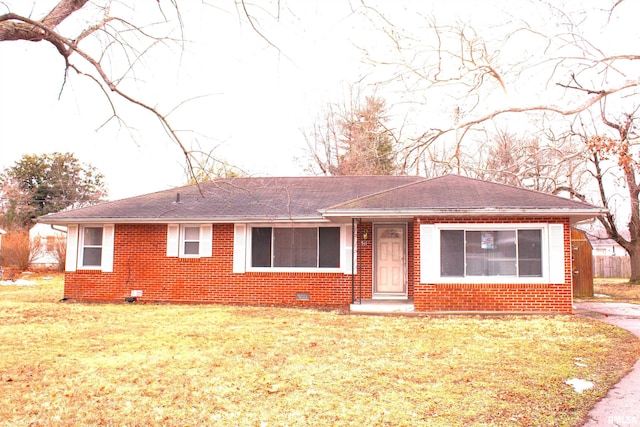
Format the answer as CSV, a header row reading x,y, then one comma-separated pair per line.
x,y
140,263
364,280
493,297
411,267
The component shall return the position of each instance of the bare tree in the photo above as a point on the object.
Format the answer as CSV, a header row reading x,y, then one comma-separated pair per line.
x,y
323,142
529,162
73,27
475,75
207,167
547,67
106,42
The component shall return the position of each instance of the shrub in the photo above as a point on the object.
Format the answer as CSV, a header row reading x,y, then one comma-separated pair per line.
x,y
59,251
18,250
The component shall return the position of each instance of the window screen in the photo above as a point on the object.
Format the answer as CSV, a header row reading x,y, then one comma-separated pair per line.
x,y
530,253
310,247
452,253
295,247
191,240
329,247
491,253
261,247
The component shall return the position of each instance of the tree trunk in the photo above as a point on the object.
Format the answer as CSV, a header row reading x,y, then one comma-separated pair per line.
x,y
634,258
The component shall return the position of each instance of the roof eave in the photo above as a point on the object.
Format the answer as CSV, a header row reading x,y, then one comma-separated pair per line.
x,y
575,214
198,220
339,215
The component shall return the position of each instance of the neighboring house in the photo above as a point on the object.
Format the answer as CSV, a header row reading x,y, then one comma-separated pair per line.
x,y
48,238
444,244
605,246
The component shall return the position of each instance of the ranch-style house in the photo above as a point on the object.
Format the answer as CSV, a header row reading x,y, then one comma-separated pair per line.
x,y
446,244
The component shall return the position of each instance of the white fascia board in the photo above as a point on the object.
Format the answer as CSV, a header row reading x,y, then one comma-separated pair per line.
x,y
583,213
225,220
268,220
330,216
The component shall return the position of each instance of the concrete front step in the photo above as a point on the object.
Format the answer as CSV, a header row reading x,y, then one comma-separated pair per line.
x,y
382,306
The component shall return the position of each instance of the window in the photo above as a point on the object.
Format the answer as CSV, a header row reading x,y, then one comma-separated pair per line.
x,y
91,246
297,247
191,240
516,253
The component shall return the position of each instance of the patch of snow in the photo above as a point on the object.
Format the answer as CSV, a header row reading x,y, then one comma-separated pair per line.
x,y
601,295
580,362
19,282
579,385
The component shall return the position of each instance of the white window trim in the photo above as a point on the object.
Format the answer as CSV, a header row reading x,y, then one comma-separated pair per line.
x,y
240,248
77,241
71,262
430,253
183,241
349,249
175,241
81,247
343,242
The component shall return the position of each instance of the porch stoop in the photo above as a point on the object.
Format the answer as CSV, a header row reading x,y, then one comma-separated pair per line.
x,y
382,306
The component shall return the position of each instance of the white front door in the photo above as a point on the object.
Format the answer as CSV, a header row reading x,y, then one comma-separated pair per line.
x,y
390,249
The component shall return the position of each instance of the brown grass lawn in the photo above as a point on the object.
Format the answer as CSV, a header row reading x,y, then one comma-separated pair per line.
x,y
65,364
618,290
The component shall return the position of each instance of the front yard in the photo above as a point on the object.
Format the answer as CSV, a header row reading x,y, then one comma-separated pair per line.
x,y
139,365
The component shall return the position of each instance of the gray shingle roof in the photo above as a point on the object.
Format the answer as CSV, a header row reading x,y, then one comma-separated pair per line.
x,y
238,198
458,192
314,198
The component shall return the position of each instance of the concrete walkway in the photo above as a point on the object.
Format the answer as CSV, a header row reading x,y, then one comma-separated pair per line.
x,y
621,405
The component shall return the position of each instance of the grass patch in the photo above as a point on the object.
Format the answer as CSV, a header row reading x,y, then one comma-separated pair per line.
x,y
139,365
614,290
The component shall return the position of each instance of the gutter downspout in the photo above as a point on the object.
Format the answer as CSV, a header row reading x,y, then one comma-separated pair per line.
x,y
53,227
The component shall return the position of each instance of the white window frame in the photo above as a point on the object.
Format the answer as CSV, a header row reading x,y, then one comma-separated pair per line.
x,y
430,253
75,248
176,239
82,246
184,241
247,240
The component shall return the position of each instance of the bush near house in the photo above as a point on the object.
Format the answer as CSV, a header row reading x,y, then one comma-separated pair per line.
x,y
19,250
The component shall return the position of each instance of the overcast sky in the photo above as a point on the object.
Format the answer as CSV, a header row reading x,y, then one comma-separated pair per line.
x,y
255,98
251,100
